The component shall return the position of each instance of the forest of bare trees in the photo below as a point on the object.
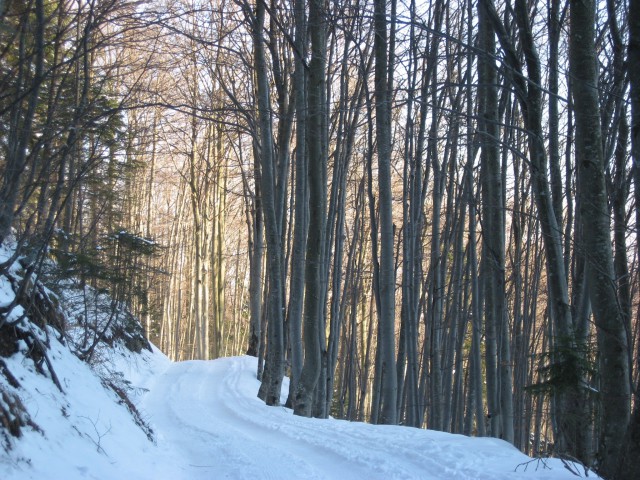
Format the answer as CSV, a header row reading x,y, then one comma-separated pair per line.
x,y
422,213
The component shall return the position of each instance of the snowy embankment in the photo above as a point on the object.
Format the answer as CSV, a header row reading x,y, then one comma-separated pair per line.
x,y
208,424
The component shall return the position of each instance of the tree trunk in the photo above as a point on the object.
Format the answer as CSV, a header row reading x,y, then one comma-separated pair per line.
x,y
612,337
629,467
499,381
22,117
386,336
256,246
313,306
301,220
274,364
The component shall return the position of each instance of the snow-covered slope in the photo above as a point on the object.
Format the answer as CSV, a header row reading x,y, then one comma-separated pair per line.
x,y
209,424
86,432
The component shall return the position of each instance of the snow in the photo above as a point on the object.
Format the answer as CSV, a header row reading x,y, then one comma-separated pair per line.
x,y
209,424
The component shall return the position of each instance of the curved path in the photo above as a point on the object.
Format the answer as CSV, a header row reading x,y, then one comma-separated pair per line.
x,y
208,420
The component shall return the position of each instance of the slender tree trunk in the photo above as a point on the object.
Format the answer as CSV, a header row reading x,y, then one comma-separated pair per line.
x,y
301,221
313,307
22,118
629,467
386,337
492,227
274,364
256,246
612,337
554,140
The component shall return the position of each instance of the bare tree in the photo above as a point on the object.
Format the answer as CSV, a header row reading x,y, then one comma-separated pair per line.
x,y
317,149
499,376
274,365
26,88
612,336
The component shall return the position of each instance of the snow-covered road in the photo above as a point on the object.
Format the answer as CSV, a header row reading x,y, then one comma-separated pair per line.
x,y
209,425
208,420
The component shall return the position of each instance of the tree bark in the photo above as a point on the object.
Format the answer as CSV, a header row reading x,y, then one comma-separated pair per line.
x,y
612,337
386,335
629,467
301,220
313,307
274,364
499,382
22,117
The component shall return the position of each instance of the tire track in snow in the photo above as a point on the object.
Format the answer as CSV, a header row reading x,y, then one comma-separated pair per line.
x,y
239,408
199,451
349,449
208,418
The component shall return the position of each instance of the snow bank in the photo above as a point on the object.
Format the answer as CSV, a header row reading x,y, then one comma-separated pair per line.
x,y
86,432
